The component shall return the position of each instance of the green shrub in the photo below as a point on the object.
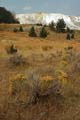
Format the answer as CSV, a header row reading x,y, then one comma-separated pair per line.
x,y
42,87
17,60
11,49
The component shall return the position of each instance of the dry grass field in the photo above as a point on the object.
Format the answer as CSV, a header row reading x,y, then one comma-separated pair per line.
x,y
42,63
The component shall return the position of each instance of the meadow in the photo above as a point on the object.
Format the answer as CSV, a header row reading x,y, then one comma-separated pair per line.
x,y
42,80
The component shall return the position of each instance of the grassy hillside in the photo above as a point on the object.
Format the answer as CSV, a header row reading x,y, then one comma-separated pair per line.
x,y
50,67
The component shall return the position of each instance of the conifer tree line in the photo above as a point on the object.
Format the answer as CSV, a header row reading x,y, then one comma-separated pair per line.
x,y
7,17
60,27
43,33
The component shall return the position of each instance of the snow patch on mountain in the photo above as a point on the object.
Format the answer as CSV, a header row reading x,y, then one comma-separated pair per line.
x,y
72,22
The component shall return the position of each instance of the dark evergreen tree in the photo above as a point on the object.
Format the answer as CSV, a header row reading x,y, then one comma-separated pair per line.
x,y
68,37
15,30
72,31
60,27
68,30
52,26
32,32
21,29
72,35
43,32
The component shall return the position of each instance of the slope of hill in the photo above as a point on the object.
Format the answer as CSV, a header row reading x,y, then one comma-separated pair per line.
x,y
72,22
45,60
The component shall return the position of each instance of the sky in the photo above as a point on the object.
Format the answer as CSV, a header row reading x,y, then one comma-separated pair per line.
x,y
68,7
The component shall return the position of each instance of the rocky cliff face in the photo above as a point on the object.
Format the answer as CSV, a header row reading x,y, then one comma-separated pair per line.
x,y
72,22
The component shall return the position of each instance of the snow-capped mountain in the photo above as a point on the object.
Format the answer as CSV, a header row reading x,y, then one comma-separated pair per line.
x,y
72,22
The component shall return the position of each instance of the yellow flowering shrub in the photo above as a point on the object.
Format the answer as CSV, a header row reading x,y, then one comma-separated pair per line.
x,y
46,82
17,82
61,76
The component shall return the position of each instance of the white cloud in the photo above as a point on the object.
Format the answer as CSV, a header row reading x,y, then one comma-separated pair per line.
x,y
27,8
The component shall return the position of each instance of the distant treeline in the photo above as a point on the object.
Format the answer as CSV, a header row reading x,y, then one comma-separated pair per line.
x,y
6,16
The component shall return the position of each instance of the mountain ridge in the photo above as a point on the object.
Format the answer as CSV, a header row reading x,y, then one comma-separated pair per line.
x,y
73,22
